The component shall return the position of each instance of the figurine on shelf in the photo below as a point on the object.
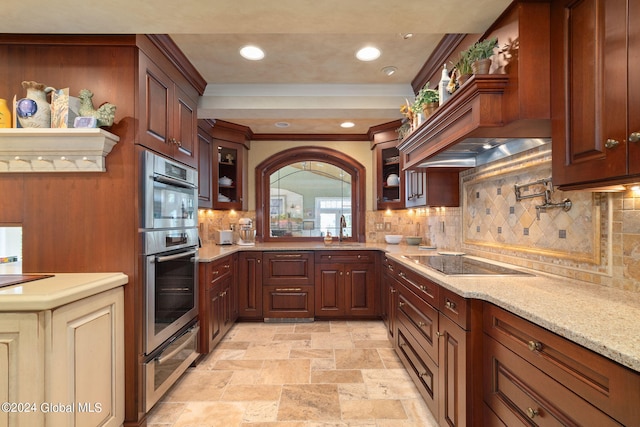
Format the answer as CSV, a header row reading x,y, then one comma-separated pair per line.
x,y
105,113
229,158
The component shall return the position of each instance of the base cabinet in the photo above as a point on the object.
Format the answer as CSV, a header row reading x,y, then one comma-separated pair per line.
x,y
287,285
65,366
435,338
217,301
250,285
345,284
534,377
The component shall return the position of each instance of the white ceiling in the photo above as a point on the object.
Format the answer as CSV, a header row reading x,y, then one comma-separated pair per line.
x,y
309,78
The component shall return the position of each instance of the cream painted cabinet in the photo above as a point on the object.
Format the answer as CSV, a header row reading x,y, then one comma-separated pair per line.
x,y
65,366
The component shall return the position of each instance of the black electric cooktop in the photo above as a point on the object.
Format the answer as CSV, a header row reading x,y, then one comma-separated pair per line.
x,y
459,265
16,279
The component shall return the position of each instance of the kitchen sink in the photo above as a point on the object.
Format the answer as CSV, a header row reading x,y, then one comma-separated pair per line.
x,y
460,265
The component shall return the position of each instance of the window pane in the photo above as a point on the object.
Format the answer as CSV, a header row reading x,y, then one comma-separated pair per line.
x,y
308,198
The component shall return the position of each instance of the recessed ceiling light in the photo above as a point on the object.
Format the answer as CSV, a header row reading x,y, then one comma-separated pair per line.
x,y
252,53
368,53
487,146
389,70
347,124
282,124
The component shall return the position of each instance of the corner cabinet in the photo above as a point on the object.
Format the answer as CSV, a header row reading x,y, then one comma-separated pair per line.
x,y
229,166
168,111
387,162
595,53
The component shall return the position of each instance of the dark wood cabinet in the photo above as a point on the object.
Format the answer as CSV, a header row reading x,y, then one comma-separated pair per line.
x,y
288,284
595,53
432,187
229,163
386,162
345,284
168,111
217,302
436,339
250,285
388,298
205,164
535,377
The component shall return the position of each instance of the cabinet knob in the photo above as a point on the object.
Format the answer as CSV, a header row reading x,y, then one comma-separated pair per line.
x,y
421,324
534,345
215,272
329,257
227,266
400,304
178,143
423,288
401,274
259,261
348,273
439,334
634,137
611,143
393,291
359,256
532,413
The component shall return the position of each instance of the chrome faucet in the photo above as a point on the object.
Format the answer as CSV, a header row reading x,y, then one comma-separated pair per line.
x,y
343,225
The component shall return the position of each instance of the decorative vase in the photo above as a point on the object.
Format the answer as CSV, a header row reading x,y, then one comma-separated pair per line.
x,y
481,66
430,108
34,111
5,114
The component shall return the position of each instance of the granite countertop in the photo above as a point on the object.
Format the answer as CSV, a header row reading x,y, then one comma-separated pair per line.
x,y
605,320
56,291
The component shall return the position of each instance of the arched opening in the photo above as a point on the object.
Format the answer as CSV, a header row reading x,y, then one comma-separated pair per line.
x,y
303,193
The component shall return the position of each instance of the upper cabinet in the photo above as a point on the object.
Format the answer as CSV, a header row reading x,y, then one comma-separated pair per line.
x,y
389,193
168,110
222,166
595,91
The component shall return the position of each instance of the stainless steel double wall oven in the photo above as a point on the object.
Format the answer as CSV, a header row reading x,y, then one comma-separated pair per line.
x,y
169,238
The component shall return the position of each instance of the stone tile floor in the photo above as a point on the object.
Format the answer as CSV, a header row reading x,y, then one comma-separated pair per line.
x,y
320,374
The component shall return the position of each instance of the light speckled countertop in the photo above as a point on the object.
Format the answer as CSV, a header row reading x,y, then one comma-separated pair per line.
x,y
603,319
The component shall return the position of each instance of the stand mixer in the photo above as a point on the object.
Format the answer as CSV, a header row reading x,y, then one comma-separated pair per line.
x,y
246,232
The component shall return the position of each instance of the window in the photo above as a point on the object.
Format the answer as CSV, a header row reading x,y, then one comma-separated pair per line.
x,y
303,193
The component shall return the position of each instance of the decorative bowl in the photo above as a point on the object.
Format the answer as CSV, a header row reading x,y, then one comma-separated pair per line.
x,y
393,239
413,240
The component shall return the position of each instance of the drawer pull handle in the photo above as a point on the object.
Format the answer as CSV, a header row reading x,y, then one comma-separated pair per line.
x,y
532,413
288,289
289,256
216,272
400,304
421,324
393,291
634,137
450,305
534,345
439,334
611,143
227,266
423,374
401,274
423,288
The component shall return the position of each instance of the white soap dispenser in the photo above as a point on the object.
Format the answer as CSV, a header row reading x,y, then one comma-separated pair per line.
x,y
443,93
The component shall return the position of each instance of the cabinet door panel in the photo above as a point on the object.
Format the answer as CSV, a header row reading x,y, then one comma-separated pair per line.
x,y
205,162
328,290
359,290
250,285
155,109
186,128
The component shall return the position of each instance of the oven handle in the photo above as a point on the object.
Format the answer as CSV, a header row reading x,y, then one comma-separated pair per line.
x,y
174,256
172,181
163,358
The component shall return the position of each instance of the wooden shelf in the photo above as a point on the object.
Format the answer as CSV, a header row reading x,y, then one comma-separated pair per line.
x,y
55,150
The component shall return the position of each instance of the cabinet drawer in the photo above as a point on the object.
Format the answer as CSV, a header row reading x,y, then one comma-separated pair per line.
x,y
287,268
602,382
219,269
423,287
521,395
288,302
420,320
422,370
454,307
345,256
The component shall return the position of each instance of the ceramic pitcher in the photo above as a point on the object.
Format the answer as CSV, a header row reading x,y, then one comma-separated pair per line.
x,y
34,111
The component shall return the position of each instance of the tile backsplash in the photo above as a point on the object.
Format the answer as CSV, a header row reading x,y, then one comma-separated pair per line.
x,y
597,240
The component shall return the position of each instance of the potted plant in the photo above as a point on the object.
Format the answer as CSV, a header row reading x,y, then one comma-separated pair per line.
x,y
480,55
426,101
461,70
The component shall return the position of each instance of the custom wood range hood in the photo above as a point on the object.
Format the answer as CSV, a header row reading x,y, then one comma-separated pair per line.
x,y
508,110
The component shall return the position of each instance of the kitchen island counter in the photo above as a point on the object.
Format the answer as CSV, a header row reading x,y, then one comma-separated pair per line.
x,y
56,291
